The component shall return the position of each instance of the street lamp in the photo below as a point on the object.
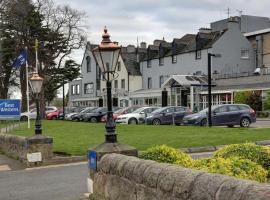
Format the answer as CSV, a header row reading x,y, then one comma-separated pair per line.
x,y
36,84
106,56
209,72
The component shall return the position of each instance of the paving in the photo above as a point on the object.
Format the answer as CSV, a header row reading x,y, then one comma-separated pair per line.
x,y
47,183
7,164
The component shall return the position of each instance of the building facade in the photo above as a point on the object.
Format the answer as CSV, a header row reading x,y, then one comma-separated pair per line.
x,y
143,72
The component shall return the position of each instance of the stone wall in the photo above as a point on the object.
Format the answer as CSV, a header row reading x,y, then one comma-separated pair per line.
x,y
18,147
128,178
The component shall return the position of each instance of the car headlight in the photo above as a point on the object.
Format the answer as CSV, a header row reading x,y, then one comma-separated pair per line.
x,y
122,118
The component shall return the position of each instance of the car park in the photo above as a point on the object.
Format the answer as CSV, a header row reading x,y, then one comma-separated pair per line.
x,y
136,117
79,116
224,115
121,111
33,113
168,115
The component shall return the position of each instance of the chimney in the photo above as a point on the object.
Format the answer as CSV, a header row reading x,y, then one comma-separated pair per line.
x,y
143,45
233,23
205,30
131,49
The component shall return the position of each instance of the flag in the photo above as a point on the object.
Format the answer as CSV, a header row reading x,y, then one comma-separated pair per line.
x,y
20,60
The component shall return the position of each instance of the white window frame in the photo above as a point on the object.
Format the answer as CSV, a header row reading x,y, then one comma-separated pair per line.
x,y
244,53
90,89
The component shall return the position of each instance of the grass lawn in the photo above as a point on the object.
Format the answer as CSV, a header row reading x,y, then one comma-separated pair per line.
x,y
76,137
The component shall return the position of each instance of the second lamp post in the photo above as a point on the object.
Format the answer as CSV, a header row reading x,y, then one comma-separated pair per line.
x,y
36,84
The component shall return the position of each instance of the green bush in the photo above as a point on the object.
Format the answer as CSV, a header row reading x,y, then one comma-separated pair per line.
x,y
167,154
253,152
234,166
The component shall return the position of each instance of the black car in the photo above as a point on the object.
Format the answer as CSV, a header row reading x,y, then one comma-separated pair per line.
x,y
168,115
97,114
224,115
79,116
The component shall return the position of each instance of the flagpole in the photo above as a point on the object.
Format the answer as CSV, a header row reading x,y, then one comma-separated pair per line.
x,y
36,48
27,94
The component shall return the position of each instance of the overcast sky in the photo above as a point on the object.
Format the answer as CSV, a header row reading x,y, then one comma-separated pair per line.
x,y
154,19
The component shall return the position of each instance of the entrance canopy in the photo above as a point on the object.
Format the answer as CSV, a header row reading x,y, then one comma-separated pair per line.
x,y
185,81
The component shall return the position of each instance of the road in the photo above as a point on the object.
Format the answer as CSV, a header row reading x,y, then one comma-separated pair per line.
x,y
52,183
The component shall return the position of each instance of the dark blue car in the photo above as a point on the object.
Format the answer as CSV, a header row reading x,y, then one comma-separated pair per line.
x,y
224,115
168,115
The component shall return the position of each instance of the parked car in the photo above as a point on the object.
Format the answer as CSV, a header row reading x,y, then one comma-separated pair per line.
x,y
53,115
73,112
168,115
136,117
121,111
33,113
97,114
224,115
79,116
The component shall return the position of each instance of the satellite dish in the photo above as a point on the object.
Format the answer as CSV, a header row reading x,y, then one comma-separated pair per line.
x,y
257,71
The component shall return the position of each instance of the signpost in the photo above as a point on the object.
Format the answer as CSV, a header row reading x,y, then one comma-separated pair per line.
x,y
10,109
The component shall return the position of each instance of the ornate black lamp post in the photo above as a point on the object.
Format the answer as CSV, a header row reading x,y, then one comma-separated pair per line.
x,y
106,56
36,84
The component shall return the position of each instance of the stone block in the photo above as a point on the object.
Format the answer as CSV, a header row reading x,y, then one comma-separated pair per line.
x,y
184,179
206,186
140,168
258,192
233,189
151,174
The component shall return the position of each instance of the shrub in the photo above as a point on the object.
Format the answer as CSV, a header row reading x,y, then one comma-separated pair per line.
x,y
167,154
253,152
234,166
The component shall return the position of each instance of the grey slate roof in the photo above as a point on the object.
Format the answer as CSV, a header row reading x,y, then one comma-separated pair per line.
x,y
131,64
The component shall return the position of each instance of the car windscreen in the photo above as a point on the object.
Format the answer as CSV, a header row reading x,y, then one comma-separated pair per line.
x,y
206,110
139,110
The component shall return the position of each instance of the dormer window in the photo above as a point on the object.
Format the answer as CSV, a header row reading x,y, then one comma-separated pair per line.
x,y
149,63
161,61
174,59
198,54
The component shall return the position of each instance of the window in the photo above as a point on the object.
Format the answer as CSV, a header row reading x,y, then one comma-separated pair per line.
x,y
174,59
77,89
244,53
149,83
73,90
149,63
88,88
161,80
116,84
233,108
161,61
119,66
123,83
88,64
198,54
221,109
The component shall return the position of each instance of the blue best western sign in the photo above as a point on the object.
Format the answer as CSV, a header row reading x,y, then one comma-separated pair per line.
x,y
10,109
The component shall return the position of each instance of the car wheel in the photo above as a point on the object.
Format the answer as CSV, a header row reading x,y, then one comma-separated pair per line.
x,y
54,117
230,126
203,122
132,121
93,120
24,118
244,122
156,122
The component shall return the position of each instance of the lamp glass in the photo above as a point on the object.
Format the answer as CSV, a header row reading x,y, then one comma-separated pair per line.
x,y
36,85
98,58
